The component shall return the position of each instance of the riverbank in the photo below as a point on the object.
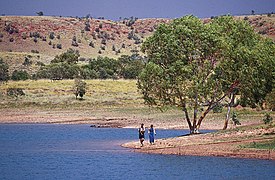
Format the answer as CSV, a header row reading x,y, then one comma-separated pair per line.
x,y
255,141
241,142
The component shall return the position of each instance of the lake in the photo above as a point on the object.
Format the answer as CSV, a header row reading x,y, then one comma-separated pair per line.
x,y
40,151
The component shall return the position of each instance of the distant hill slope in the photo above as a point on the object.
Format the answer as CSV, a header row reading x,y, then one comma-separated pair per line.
x,y
40,38
92,37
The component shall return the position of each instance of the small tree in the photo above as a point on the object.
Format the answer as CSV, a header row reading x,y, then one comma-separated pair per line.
x,y
235,119
79,88
267,118
40,13
20,75
4,71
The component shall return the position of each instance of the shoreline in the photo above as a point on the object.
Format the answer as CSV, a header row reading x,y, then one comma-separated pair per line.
x,y
217,144
228,143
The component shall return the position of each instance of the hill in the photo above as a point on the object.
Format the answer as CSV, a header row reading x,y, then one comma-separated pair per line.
x,y
39,38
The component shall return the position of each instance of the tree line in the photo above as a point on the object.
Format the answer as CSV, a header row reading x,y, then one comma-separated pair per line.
x,y
66,66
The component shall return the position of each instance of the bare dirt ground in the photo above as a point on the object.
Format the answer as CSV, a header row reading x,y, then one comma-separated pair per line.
x,y
227,144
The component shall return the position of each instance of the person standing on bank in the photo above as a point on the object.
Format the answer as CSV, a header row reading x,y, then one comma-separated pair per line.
x,y
152,133
141,132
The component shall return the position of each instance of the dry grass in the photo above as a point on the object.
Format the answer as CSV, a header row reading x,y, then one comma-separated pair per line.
x,y
106,98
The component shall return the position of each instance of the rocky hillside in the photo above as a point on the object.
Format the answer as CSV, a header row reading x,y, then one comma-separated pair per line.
x,y
92,37
38,39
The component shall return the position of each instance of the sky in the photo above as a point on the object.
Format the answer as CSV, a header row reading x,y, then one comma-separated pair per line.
x,y
114,9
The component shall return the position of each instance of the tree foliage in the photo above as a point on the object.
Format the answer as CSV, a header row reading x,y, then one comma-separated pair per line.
x,y
196,66
20,75
79,88
4,71
70,56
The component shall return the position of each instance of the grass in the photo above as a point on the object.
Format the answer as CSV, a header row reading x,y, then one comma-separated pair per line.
x,y
261,145
103,97
45,92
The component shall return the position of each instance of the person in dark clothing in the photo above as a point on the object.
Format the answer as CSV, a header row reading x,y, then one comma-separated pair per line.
x,y
141,132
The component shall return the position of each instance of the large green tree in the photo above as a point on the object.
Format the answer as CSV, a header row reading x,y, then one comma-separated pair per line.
x,y
248,59
192,65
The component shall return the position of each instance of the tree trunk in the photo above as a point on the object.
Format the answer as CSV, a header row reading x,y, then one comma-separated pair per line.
x,y
195,111
197,127
228,111
191,128
227,117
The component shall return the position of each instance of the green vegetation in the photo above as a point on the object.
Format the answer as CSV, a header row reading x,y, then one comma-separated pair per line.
x,y
20,75
64,66
196,66
4,71
79,88
261,145
267,118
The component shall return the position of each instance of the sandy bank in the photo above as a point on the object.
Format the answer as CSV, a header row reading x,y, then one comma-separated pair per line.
x,y
225,144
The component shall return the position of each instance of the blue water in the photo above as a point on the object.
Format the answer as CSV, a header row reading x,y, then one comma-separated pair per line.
x,y
79,152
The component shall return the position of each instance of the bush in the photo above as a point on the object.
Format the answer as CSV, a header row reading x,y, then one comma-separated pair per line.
x,y
34,51
235,119
20,75
4,71
91,44
27,62
15,92
51,36
59,46
267,118
74,43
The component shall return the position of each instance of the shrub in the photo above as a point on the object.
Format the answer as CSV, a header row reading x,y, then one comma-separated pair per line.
x,y
267,118
87,26
15,92
102,47
35,51
103,41
74,43
100,25
235,119
51,36
58,36
91,44
27,62
59,46
20,75
4,71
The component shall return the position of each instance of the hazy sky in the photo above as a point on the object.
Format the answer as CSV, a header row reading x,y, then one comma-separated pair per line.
x,y
113,9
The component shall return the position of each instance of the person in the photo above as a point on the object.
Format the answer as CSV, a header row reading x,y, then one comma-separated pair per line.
x,y
141,132
152,133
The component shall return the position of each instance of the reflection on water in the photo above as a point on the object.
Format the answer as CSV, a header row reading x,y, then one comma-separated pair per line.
x,y
81,152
